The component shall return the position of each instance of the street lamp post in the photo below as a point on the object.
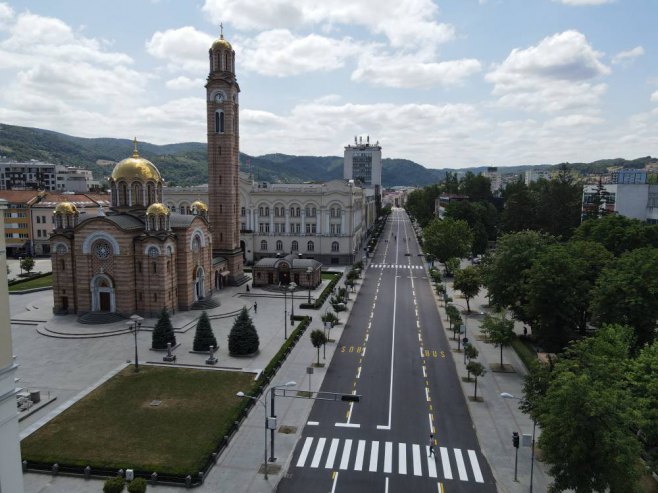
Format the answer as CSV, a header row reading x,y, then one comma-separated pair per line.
x,y
264,404
273,416
285,313
309,271
507,395
292,286
135,323
465,313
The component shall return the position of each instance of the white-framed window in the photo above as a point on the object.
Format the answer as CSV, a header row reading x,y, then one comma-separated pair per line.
x,y
310,246
279,245
335,247
263,246
295,246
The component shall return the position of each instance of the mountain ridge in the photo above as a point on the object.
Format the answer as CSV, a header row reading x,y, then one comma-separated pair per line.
x,y
185,163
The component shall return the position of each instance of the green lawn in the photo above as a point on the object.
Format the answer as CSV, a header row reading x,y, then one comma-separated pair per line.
x,y
41,282
115,426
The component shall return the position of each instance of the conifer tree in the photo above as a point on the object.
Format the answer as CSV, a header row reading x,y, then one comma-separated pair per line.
x,y
204,337
163,332
243,338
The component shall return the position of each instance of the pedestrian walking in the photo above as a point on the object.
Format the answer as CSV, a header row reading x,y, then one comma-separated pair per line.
x,y
431,445
247,287
255,307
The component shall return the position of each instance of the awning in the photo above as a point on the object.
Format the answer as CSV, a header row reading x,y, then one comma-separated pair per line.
x,y
224,273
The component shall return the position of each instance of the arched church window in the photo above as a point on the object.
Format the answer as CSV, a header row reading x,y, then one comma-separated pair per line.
x,y
196,244
310,246
150,191
137,191
335,246
154,267
123,198
279,245
263,246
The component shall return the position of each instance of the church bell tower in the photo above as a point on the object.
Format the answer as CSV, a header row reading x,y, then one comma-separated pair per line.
x,y
223,157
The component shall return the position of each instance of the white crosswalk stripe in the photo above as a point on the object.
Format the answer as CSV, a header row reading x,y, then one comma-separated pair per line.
x,y
400,458
395,266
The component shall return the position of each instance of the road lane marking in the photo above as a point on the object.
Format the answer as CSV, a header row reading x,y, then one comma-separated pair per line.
x,y
427,394
312,423
445,463
402,458
374,455
335,477
416,455
345,459
305,450
364,352
477,473
367,335
360,452
333,448
388,457
424,372
358,372
431,462
421,352
347,425
386,486
318,453
461,467
431,418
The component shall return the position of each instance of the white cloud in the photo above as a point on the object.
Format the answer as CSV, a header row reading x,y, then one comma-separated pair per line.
x,y
406,23
184,83
578,3
411,71
6,15
654,97
279,53
629,55
185,48
551,76
574,121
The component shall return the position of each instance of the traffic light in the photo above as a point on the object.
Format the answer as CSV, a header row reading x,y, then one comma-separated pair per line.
x,y
515,439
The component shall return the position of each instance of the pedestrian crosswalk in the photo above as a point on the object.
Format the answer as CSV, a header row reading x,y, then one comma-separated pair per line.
x,y
389,458
395,266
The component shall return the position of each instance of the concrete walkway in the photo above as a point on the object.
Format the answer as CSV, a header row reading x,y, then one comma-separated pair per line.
x,y
67,367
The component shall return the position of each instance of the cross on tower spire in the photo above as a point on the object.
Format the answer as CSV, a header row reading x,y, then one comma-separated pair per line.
x,y
221,32
135,153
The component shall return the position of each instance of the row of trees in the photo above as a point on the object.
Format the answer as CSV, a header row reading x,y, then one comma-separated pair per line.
x,y
242,340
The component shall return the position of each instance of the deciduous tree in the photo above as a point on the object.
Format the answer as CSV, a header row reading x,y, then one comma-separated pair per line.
x,y
448,238
468,281
318,339
498,330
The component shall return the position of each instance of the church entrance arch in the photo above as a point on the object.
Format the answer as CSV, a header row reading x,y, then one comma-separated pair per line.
x,y
198,284
102,294
284,273
243,247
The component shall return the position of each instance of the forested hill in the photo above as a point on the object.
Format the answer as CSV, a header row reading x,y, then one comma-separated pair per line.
x,y
186,163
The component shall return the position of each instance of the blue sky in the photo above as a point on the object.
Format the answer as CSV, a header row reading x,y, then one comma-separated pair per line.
x,y
446,83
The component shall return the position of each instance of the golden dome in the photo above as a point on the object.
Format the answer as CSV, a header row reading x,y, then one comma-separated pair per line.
x,y
157,209
199,206
136,168
222,43
66,208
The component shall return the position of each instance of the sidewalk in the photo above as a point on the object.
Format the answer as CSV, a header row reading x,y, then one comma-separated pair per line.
x,y
495,418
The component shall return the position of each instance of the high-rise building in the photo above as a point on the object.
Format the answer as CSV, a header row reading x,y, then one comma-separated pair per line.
x,y
363,163
11,475
222,103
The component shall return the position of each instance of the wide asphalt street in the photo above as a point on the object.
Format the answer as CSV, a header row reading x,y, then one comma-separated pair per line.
x,y
395,355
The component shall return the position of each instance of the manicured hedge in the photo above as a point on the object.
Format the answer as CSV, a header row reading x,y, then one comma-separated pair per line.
x,y
323,297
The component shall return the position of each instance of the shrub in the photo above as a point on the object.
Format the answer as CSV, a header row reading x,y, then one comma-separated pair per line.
x,y
113,485
204,337
243,338
163,332
318,339
137,485
27,264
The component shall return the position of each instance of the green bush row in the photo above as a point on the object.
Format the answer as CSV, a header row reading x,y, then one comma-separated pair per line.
x,y
317,304
278,358
525,352
28,279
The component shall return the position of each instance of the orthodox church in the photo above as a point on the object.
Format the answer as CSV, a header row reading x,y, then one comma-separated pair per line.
x,y
139,257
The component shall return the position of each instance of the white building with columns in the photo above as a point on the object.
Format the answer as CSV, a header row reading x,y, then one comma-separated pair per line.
x,y
322,221
11,473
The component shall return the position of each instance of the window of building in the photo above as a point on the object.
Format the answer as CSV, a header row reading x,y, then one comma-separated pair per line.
x,y
279,245
308,228
219,122
295,246
263,227
313,228
310,246
263,246
243,211
335,247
